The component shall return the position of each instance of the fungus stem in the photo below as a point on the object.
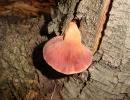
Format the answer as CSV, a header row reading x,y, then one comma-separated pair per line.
x,y
72,33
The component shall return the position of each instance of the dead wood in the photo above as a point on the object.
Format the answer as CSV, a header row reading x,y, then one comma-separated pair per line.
x,y
24,75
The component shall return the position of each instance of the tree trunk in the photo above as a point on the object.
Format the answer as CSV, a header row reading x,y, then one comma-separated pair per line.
x,y
24,75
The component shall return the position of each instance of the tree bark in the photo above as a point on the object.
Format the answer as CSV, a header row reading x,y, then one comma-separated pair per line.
x,y
24,75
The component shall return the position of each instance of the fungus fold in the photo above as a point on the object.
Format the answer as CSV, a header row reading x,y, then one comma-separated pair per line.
x,y
66,54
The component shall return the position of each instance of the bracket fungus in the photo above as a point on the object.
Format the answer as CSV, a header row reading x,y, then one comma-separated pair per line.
x,y
66,54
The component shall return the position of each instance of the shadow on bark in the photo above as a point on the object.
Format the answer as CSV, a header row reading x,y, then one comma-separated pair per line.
x,y
41,64
44,29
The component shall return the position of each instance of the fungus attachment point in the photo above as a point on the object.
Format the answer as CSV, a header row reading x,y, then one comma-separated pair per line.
x,y
66,54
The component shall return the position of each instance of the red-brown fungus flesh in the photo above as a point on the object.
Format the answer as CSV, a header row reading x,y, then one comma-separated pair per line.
x,y
66,54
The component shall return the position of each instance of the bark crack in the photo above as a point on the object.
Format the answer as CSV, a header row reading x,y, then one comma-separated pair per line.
x,y
76,7
81,89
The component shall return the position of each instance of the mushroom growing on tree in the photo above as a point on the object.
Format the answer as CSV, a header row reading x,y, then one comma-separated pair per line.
x,y
66,54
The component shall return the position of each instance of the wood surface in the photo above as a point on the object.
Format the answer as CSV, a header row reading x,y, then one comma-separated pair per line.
x,y
25,76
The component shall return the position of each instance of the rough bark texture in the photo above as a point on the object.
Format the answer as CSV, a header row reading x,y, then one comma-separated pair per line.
x,y
109,74
20,58
25,76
